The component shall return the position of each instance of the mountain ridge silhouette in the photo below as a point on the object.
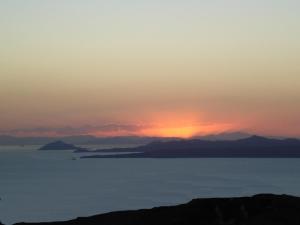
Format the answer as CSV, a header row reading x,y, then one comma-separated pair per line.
x,y
253,146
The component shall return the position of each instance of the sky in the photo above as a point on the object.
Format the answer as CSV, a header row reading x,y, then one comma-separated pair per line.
x,y
154,68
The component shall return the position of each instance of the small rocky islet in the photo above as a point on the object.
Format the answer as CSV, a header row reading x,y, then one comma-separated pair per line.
x,y
60,145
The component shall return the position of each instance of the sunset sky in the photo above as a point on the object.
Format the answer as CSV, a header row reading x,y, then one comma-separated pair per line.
x,y
149,67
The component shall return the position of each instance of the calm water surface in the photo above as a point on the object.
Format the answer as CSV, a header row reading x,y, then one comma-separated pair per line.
x,y
46,186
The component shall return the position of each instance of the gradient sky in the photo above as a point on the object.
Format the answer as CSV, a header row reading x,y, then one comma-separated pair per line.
x,y
159,67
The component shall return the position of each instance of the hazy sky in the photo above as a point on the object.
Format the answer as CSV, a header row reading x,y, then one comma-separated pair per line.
x,y
159,67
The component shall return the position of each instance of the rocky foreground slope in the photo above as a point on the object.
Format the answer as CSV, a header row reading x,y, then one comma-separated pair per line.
x,y
263,209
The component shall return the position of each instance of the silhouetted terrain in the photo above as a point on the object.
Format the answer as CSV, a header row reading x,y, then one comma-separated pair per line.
x,y
254,146
80,140
226,136
58,145
264,209
92,140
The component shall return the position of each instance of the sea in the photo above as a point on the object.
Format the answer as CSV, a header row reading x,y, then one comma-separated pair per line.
x,y
40,186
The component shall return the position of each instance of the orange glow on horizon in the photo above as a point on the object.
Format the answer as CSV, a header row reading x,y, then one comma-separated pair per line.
x,y
179,130
182,125
170,124
163,124
182,132
187,131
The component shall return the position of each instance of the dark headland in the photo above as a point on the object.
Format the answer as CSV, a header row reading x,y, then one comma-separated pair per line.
x,y
251,147
263,209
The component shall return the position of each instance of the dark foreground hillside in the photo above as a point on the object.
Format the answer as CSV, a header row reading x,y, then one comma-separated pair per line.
x,y
264,209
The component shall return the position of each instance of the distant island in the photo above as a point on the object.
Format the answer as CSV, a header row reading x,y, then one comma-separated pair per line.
x,y
263,209
251,147
59,145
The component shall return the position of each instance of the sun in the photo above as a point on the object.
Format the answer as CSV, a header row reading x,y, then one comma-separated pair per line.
x,y
180,131
178,125
171,124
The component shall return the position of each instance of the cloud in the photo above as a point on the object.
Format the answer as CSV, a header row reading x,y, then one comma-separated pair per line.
x,y
109,130
98,130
